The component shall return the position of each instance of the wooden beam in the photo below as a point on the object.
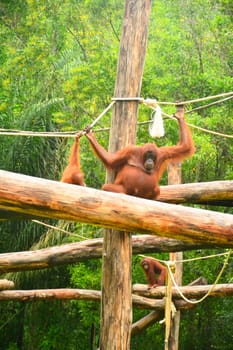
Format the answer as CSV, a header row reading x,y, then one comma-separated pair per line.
x,y
212,193
51,199
142,297
146,321
88,249
191,292
80,294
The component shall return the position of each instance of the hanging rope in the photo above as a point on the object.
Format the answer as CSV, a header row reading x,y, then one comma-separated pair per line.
x,y
168,302
168,264
211,288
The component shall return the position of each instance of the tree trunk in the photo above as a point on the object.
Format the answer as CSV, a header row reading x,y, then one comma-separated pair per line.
x,y
116,306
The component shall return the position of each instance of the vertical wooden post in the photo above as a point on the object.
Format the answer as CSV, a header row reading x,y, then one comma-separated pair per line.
x,y
174,178
116,303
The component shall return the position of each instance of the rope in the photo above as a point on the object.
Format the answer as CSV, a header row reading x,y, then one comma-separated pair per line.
x,y
211,132
58,229
73,134
168,302
200,128
202,257
11,132
211,288
55,134
153,102
187,260
149,102
190,101
209,104
101,114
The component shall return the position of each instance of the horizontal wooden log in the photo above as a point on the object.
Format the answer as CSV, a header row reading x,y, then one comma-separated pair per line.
x,y
46,198
88,249
6,284
213,193
146,321
81,294
191,292
51,294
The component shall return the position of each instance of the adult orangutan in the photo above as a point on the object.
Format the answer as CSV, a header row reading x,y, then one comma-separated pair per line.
x,y
139,168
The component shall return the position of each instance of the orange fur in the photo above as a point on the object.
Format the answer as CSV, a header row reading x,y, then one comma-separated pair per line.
x,y
72,173
133,175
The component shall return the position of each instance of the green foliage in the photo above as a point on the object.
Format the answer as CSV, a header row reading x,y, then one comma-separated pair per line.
x,y
57,73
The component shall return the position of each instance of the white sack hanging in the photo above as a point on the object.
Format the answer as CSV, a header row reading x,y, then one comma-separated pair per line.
x,y
156,129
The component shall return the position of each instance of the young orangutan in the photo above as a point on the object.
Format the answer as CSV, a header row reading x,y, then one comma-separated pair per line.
x,y
72,173
155,272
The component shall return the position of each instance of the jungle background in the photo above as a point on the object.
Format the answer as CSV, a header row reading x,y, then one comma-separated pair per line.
x,y
57,73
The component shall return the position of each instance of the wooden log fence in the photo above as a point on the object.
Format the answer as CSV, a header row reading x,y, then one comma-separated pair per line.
x,y
88,249
211,193
142,297
191,292
51,199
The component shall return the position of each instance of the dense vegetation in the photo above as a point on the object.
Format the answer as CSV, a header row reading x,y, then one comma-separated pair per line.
x,y
57,73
